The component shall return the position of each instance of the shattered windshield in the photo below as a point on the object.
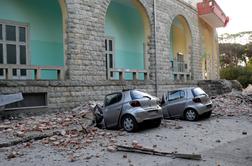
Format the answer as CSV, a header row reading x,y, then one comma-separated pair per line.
x,y
135,94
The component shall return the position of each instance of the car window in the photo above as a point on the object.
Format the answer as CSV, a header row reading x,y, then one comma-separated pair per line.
x,y
175,95
112,99
135,94
198,92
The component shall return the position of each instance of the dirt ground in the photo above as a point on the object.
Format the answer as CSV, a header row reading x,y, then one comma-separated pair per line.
x,y
220,141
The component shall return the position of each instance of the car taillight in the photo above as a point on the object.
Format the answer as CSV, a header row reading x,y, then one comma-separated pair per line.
x,y
196,100
135,104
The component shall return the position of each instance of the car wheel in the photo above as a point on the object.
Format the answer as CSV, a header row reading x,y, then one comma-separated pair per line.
x,y
129,123
191,115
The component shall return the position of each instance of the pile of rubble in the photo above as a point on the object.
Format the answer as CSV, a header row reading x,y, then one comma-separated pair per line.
x,y
68,131
235,103
248,90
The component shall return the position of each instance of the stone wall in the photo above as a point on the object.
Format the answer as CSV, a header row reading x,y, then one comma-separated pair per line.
x,y
64,95
85,31
218,87
85,55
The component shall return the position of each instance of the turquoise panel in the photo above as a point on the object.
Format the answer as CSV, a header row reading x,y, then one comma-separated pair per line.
x,y
125,24
45,29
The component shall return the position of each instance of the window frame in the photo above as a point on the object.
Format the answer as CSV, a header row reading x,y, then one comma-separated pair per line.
x,y
18,44
180,95
108,53
107,104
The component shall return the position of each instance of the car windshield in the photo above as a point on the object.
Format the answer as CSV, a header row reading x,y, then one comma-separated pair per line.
x,y
135,94
198,92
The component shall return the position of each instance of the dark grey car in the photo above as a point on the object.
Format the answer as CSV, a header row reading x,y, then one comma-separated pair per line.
x,y
188,103
128,108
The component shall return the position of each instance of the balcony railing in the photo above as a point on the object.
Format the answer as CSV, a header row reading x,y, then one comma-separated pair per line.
x,y
181,71
119,74
8,70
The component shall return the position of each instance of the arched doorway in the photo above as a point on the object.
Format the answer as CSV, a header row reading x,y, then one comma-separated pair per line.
x,y
126,29
32,34
209,51
181,43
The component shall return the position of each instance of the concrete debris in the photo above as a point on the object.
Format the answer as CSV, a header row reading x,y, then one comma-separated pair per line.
x,y
12,155
151,151
244,133
111,148
179,127
232,104
63,130
248,90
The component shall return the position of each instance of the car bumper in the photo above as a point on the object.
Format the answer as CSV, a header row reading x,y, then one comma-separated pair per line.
x,y
203,108
150,114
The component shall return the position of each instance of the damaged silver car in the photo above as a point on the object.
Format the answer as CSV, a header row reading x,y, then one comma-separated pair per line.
x,y
187,103
129,108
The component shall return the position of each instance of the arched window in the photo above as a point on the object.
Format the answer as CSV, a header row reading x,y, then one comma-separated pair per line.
x,y
31,33
181,43
126,31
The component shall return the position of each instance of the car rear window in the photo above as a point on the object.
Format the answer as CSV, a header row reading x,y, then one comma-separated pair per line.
x,y
135,94
198,92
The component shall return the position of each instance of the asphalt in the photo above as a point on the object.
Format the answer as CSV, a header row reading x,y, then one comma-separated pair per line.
x,y
220,141
234,153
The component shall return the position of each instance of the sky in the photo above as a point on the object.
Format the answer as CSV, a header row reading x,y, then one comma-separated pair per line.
x,y
239,13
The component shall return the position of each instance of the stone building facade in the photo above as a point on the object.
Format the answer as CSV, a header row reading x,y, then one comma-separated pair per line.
x,y
178,48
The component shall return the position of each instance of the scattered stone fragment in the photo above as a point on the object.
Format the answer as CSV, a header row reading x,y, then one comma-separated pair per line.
x,y
178,127
63,132
52,139
88,157
20,134
12,155
89,141
134,142
111,148
56,143
244,133
125,156
72,158
199,124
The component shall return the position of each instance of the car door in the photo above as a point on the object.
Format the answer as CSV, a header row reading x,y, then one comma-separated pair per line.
x,y
113,107
176,101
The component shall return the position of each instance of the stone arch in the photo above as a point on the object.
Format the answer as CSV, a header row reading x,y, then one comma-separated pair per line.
x,y
144,11
128,23
180,36
42,21
209,51
64,12
181,48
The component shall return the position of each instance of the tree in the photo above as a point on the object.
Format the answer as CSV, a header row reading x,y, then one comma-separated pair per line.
x,y
236,57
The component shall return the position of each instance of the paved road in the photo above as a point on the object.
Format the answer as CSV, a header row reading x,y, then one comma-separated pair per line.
x,y
234,153
219,140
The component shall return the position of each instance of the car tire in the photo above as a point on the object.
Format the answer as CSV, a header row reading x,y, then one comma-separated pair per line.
x,y
191,115
129,123
156,122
